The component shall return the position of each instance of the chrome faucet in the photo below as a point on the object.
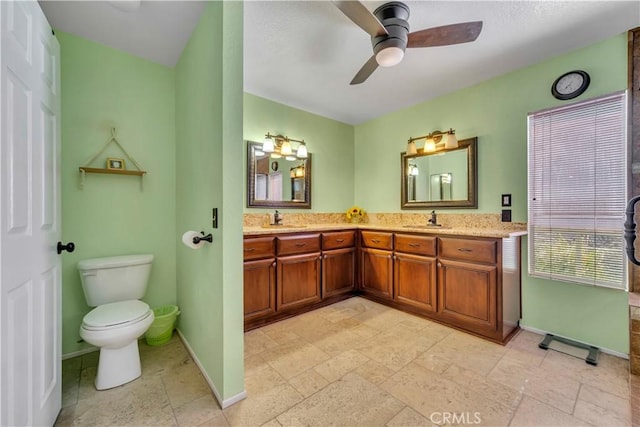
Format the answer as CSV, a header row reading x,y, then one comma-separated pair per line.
x,y
434,219
277,218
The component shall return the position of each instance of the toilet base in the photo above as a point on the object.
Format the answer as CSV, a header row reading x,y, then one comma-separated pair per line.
x,y
118,366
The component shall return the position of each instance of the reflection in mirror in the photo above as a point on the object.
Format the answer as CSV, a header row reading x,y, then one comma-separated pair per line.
x,y
440,188
444,178
277,181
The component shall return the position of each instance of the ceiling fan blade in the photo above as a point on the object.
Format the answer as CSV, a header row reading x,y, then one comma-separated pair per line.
x,y
361,16
445,35
367,69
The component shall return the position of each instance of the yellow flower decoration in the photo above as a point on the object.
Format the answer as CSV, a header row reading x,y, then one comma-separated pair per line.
x,y
355,212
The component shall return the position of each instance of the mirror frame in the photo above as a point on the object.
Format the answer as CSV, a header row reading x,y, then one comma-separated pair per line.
x,y
251,184
471,145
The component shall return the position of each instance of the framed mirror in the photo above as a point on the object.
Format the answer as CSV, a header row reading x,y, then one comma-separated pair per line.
x,y
440,179
282,182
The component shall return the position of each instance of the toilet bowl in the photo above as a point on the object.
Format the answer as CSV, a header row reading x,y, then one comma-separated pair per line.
x,y
113,285
115,328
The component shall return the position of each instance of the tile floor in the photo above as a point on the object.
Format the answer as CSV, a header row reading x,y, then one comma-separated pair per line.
x,y
358,363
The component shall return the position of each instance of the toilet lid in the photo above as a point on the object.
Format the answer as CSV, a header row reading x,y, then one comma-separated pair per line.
x,y
116,313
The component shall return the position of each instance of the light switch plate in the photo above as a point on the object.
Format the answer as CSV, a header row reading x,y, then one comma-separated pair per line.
x,y
506,215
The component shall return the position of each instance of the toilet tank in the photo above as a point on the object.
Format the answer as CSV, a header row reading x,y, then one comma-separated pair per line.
x,y
114,279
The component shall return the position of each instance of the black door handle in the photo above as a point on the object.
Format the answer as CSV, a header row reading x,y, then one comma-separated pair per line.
x,y
69,247
630,230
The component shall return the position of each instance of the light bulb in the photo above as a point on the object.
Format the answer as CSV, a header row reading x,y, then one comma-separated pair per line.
x,y
290,158
302,152
267,145
451,141
285,149
411,148
430,145
389,57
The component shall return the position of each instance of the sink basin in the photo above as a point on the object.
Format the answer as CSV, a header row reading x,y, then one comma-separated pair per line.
x,y
283,226
427,226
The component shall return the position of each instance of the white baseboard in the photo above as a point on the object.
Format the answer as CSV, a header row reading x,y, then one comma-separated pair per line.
x,y
79,352
223,403
604,350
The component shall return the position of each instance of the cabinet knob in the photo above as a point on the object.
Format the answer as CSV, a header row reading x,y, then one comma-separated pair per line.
x,y
273,264
394,257
439,265
339,240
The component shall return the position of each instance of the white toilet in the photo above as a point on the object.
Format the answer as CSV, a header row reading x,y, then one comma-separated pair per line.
x,y
114,286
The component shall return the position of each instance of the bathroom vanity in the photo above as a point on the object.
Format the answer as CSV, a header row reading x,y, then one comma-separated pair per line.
x,y
467,279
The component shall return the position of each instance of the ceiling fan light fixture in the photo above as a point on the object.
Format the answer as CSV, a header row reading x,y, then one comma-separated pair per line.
x,y
390,56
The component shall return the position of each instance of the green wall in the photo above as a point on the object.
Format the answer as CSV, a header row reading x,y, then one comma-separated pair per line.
x,y
208,151
330,142
112,215
496,112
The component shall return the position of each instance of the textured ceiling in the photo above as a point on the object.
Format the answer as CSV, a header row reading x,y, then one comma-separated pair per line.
x,y
304,53
157,30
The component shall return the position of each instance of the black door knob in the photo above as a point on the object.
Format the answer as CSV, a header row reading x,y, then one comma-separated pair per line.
x,y
69,247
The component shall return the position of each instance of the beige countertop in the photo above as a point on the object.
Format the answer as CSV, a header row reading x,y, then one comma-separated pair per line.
x,y
455,231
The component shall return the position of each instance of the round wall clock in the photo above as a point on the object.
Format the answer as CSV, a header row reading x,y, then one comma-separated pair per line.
x,y
570,85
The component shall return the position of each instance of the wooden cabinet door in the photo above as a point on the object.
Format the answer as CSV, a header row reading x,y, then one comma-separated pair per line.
x,y
415,281
376,272
259,288
298,281
468,295
338,271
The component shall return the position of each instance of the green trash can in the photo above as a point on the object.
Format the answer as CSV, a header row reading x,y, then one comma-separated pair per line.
x,y
161,329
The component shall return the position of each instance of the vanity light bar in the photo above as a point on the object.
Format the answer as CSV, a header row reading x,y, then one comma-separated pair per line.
x,y
282,145
431,139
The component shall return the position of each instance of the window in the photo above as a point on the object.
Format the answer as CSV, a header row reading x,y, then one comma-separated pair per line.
x,y
577,192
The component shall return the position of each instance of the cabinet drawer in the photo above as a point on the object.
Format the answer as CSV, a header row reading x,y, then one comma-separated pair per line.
x,y
413,244
259,247
378,240
469,250
338,240
298,244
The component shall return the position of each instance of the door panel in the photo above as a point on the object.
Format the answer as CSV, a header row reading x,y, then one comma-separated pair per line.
x,y
298,281
338,271
415,281
376,271
30,273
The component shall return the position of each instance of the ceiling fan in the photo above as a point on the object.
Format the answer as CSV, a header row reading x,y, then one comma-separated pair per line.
x,y
389,31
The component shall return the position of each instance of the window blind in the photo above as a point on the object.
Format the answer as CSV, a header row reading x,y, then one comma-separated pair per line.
x,y
577,163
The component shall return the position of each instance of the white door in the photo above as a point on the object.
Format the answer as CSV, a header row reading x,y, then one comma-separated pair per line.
x,y
30,273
